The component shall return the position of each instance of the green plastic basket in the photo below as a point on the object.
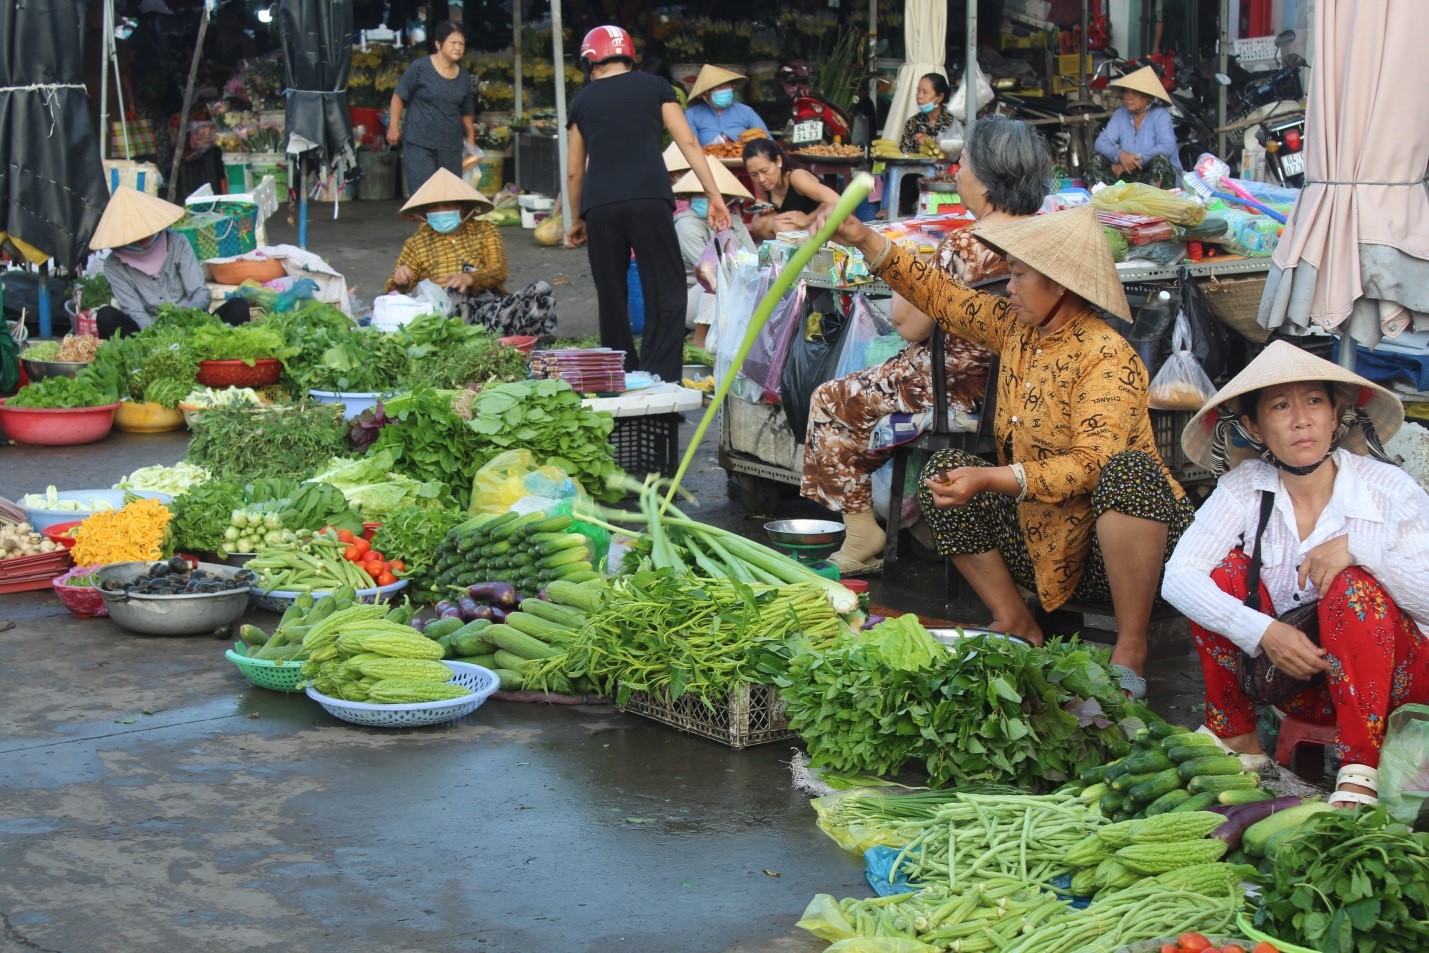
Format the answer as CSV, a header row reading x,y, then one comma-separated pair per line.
x,y
277,676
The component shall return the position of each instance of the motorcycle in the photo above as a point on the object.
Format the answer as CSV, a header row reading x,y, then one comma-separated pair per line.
x,y
1284,139
812,118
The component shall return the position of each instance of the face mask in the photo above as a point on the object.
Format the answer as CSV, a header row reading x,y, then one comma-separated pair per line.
x,y
144,245
722,97
444,222
700,206
927,108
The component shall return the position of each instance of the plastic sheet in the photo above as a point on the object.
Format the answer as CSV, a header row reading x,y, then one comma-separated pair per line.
x,y
1404,766
764,363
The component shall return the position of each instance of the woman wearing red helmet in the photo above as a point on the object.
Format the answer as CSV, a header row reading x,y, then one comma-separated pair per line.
x,y
621,197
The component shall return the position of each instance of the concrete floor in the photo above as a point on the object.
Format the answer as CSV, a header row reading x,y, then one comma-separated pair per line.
x,y
150,799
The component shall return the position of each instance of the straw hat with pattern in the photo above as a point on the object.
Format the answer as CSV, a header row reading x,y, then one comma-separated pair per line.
x,y
1216,440
1069,248
441,188
675,160
712,76
728,185
132,215
1143,81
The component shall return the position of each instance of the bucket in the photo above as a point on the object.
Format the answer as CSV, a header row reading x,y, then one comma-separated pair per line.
x,y
379,176
270,163
534,208
238,174
493,175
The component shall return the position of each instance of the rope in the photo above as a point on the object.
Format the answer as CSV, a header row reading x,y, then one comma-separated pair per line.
x,y
50,90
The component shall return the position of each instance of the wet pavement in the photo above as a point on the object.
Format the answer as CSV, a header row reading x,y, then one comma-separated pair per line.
x,y
151,799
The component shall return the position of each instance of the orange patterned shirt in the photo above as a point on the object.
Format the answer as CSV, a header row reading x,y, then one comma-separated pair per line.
x,y
1067,402
475,248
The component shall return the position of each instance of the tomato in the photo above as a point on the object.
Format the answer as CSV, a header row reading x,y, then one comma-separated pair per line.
x,y
362,545
386,579
1193,943
376,555
396,565
1169,948
365,567
1264,947
1232,948
342,534
350,553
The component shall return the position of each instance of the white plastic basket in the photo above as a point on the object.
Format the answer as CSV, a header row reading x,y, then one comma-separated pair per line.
x,y
480,681
1254,48
278,600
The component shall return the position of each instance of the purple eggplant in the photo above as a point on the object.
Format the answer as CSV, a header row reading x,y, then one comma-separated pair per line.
x,y
451,613
501,594
419,624
498,614
443,606
468,607
1242,816
481,612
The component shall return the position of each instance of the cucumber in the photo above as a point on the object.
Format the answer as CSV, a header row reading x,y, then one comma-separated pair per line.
x,y
1196,802
1258,835
1211,764
1164,729
1095,774
1236,796
1144,792
1153,759
1216,783
1092,793
1111,803
510,681
560,615
252,636
1125,782
1168,802
1183,753
440,627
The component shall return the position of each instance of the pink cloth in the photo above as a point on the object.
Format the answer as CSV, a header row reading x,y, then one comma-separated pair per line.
x,y
150,261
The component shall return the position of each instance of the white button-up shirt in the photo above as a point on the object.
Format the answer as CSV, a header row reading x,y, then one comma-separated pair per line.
x,y
1379,507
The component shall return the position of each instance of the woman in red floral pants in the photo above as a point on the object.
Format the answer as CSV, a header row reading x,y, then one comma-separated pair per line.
x,y
1295,441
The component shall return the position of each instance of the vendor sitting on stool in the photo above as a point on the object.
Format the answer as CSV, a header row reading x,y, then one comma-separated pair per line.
x,y
149,266
465,255
1139,143
932,120
713,114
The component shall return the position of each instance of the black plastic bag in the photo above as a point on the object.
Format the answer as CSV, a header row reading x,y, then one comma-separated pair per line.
x,y
1210,340
812,360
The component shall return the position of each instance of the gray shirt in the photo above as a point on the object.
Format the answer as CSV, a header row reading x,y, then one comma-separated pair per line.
x,y
180,282
435,105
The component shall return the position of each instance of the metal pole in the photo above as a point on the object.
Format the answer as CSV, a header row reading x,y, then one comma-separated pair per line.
x,y
1082,50
1223,51
516,103
1349,350
970,68
558,51
104,31
47,328
302,204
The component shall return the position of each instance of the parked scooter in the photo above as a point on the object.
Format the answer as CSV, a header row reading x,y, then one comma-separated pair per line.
x,y
1284,139
812,118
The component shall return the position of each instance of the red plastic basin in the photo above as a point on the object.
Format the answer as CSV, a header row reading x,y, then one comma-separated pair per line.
x,y
57,427
264,371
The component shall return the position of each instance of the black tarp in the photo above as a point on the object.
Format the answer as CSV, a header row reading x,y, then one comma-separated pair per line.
x,y
317,56
52,189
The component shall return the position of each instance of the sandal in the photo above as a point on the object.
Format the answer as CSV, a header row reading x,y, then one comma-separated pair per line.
x,y
1365,777
1250,762
848,567
1131,683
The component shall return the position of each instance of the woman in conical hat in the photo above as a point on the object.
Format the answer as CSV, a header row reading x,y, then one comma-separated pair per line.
x,y
1080,507
464,254
1139,141
1344,526
713,114
149,266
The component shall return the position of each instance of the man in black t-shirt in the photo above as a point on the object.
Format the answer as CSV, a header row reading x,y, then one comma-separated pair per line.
x,y
622,200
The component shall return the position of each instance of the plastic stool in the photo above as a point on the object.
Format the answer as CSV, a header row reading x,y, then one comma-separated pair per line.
x,y
1293,734
893,174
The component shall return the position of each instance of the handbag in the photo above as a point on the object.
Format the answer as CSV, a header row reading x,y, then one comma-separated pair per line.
x,y
1262,682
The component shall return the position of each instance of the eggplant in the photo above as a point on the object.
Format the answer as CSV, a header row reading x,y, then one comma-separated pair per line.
x,y
451,613
419,624
500,594
468,607
443,606
482,612
1242,816
498,614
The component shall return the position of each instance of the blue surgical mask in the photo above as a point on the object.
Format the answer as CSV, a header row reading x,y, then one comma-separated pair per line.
x,y
444,222
700,206
722,97
927,108
143,244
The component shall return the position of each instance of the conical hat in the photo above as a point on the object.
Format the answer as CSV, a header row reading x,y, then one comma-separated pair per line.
x,y
1069,248
725,181
132,215
1145,81
675,160
712,76
444,187
1281,363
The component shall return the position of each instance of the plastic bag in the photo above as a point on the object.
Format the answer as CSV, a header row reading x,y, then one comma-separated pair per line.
x,y
510,476
1161,253
739,288
883,493
435,297
885,347
1404,766
1180,384
551,230
1137,198
813,358
707,265
863,328
765,361
959,104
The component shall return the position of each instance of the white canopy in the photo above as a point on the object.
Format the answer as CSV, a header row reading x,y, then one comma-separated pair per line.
x,y
925,33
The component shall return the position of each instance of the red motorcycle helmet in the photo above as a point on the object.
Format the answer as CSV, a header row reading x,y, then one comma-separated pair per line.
x,y
607,43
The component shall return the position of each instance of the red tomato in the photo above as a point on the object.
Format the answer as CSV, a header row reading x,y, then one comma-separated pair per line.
x,y
350,553
1232,948
386,579
1169,948
396,565
362,545
376,555
342,534
1193,943
1264,947
367,568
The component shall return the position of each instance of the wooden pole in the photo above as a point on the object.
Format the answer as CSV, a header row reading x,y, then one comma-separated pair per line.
x,y
188,103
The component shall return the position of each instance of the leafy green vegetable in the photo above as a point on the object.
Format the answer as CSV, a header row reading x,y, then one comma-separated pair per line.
x,y
236,443
55,393
993,711
202,514
41,351
244,342
1349,882
374,489
94,291
312,506
413,534
430,443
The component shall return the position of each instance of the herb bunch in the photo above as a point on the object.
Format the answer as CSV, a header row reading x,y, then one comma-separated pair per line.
x,y
238,443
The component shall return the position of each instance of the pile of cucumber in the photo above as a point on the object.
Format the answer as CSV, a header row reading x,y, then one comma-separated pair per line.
x,y
526,550
1170,769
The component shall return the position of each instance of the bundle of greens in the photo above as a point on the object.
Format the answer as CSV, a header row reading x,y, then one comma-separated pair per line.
x,y
156,364
244,342
447,352
55,393
94,291
413,534
990,711
239,443
374,489
203,513
430,443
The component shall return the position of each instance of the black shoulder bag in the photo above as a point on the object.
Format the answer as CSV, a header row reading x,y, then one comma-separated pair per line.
x,y
1262,682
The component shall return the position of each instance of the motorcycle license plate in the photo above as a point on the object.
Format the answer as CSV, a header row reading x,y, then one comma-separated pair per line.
x,y
811,130
1292,163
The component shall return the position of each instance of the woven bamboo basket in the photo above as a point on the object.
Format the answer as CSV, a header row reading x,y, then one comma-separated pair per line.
x,y
1236,301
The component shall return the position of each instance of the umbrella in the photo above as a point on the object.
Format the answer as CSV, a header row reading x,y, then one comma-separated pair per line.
x,y
1355,253
317,57
925,31
52,188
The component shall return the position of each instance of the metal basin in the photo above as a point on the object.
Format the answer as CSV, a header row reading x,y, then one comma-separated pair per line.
x,y
805,532
195,614
39,370
951,637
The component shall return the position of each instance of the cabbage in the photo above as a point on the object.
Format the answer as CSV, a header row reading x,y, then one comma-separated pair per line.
x,y
374,489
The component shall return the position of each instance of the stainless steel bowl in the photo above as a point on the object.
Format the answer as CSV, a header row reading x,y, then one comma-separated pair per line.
x,y
197,614
39,370
951,637
805,532
238,560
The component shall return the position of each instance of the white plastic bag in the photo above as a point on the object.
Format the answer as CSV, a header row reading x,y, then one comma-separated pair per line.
x,y
959,105
736,294
1181,384
435,297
